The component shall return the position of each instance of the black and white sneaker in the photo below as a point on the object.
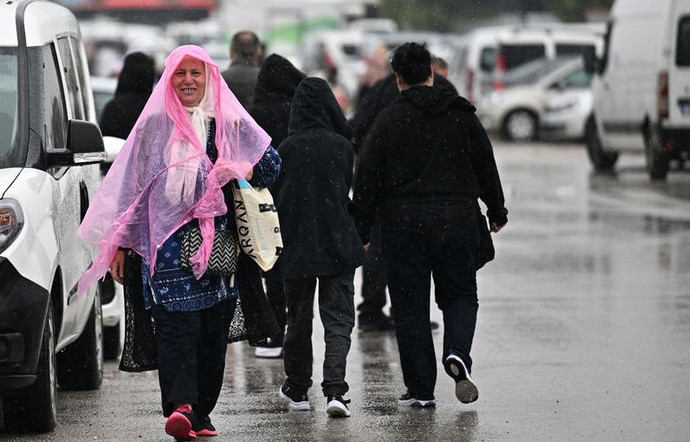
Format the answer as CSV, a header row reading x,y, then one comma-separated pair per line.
x,y
298,401
465,389
409,400
336,406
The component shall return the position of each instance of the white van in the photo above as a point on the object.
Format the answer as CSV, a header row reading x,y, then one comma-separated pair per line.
x,y
484,55
50,150
473,59
642,86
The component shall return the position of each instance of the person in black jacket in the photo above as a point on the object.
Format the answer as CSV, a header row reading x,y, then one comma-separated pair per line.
x,y
371,315
423,166
134,87
320,241
275,87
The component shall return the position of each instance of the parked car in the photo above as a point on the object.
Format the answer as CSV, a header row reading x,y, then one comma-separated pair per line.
x,y
565,112
516,108
641,86
50,148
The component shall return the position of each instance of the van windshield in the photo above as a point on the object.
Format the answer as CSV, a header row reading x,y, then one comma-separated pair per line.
x,y
8,108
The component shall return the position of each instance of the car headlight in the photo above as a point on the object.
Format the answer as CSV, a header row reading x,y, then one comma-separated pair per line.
x,y
11,222
561,106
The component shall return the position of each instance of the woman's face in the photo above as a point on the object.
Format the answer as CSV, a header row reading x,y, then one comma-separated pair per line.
x,y
189,81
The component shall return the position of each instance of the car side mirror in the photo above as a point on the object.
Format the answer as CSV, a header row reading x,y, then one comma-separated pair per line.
x,y
84,146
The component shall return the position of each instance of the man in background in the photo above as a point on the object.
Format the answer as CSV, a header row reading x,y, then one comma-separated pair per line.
x,y
245,53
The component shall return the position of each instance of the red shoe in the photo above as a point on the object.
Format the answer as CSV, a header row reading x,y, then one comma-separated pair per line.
x,y
179,424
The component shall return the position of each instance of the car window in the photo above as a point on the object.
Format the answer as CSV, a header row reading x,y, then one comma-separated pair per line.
x,y
515,55
81,72
487,59
565,50
530,73
683,42
8,106
578,79
55,108
74,94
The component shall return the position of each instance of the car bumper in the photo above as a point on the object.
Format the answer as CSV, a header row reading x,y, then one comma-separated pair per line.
x,y
23,307
675,140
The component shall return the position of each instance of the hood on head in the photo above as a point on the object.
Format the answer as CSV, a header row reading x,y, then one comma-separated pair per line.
x,y
314,106
277,78
137,74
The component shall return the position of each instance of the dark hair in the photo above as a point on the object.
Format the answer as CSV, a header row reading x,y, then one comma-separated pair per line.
x,y
412,62
245,44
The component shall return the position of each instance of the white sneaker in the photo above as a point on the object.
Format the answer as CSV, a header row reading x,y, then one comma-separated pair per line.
x,y
296,401
268,352
465,389
337,407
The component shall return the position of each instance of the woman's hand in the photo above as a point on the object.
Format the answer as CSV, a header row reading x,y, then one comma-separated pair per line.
x,y
117,266
249,175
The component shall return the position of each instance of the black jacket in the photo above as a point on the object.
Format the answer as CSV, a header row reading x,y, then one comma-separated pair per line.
x,y
426,147
134,87
376,99
275,86
311,194
241,79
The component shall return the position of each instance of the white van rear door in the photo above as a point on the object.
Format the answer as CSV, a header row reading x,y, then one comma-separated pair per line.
x,y
679,66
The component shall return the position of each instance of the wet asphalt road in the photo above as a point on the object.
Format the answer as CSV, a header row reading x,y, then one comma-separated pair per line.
x,y
583,333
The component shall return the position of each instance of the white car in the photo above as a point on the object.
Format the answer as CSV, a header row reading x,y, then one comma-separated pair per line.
x,y
565,115
517,106
49,153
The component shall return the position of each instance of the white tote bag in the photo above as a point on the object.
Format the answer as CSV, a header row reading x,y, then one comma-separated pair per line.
x,y
258,227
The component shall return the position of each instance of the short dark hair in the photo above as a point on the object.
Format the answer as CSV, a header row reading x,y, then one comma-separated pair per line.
x,y
245,44
412,62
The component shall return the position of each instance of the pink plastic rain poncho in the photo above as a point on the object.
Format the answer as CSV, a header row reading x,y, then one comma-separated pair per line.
x,y
162,177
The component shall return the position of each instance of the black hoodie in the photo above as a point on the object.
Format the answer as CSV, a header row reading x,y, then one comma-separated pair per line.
x,y
276,85
427,147
134,87
311,194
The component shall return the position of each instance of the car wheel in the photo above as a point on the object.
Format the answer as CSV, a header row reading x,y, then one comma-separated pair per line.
x,y
602,161
656,157
34,408
520,125
80,364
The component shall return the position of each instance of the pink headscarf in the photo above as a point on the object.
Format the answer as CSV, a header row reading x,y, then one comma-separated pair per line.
x,y
162,177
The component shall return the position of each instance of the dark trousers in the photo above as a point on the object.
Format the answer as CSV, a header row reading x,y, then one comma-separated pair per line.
x,y
419,241
337,310
191,355
276,297
374,279
250,284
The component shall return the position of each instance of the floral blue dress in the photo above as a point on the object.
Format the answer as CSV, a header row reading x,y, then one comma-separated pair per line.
x,y
174,287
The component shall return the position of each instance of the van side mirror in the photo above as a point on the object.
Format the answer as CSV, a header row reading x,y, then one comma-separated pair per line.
x,y
84,146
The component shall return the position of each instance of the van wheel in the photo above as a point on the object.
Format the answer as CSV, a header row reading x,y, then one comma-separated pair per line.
x,y
520,125
656,157
80,365
34,409
601,160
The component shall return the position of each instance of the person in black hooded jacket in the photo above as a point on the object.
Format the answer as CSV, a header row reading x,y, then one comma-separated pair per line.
x,y
371,316
320,241
134,86
423,166
275,87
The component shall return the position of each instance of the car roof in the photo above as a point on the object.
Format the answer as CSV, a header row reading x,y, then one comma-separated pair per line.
x,y
42,22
